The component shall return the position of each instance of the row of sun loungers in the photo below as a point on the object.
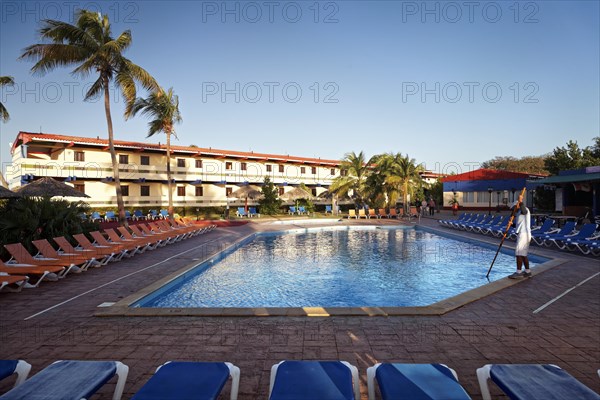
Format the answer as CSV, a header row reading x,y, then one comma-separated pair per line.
x,y
308,380
241,212
137,215
381,213
586,239
25,270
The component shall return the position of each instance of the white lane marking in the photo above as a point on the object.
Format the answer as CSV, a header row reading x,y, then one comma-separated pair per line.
x,y
113,281
564,293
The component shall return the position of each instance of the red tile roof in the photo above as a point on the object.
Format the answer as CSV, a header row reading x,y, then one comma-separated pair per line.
x,y
487,175
27,137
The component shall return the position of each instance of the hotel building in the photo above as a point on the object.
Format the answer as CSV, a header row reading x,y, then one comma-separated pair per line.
x,y
202,177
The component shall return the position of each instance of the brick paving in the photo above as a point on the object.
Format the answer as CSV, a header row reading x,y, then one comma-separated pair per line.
x,y
500,328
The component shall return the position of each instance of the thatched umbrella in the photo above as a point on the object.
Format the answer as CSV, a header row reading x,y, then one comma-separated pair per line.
x,y
48,187
247,192
296,194
7,194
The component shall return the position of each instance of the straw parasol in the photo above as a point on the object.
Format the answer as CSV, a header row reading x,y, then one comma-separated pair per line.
x,y
48,187
248,192
7,194
296,194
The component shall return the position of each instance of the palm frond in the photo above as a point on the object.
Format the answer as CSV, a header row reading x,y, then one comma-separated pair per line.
x,y
6,81
154,127
140,75
4,116
94,90
126,84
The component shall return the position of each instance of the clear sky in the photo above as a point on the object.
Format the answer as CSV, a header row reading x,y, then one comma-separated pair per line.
x,y
446,82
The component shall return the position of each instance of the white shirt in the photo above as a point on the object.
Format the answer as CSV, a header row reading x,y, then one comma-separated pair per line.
x,y
524,224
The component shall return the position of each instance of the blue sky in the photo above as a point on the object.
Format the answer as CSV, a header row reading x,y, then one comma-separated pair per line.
x,y
448,83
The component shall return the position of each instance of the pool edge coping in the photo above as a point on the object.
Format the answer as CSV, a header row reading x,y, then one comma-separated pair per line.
x,y
123,307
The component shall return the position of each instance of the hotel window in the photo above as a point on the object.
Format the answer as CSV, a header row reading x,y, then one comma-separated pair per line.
x,y
181,162
483,197
181,191
228,191
243,166
314,191
344,172
144,191
332,171
281,168
228,166
125,190
198,163
123,159
80,187
145,160
79,156
469,197
199,191
302,170
313,170
269,168
281,191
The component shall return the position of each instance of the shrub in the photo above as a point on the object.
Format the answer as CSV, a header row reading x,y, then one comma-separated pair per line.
x,y
270,203
23,220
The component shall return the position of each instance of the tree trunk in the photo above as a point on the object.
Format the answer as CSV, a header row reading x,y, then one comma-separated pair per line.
x,y
169,184
406,206
113,156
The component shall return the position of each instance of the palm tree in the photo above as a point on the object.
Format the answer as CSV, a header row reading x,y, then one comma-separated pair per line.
x,y
382,183
5,81
354,175
90,47
164,108
406,176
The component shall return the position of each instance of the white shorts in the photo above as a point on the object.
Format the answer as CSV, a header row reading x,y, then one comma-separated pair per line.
x,y
522,246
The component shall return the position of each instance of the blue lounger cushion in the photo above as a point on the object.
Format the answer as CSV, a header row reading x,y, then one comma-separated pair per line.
x,y
10,367
323,380
65,380
7,368
418,382
536,381
185,380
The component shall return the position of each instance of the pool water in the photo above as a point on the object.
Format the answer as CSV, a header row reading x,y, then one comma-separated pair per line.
x,y
338,268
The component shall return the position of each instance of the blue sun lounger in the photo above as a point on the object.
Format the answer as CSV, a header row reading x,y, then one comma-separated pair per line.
x,y
567,229
19,367
70,380
323,380
533,381
176,380
415,382
586,231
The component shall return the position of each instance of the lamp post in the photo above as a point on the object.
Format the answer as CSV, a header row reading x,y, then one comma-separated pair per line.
x,y
513,190
490,190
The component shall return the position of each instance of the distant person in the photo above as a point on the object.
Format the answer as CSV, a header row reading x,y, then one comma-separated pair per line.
x,y
423,207
454,207
431,206
523,230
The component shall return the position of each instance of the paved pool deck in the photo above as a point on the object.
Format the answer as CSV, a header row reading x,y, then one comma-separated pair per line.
x,y
59,320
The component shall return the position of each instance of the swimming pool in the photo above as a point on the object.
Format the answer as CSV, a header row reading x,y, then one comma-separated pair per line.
x,y
336,267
